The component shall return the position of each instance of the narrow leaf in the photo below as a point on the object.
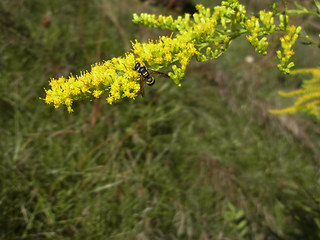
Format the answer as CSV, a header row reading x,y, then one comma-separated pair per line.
x,y
317,3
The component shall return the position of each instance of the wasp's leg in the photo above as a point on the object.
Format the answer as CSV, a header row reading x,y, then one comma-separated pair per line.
x,y
141,86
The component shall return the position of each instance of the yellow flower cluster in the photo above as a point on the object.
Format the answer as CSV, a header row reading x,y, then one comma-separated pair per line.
x,y
269,27
253,26
255,30
166,51
196,33
116,76
308,97
267,18
287,43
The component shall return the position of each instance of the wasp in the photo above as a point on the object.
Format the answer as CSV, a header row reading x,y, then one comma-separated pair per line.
x,y
145,75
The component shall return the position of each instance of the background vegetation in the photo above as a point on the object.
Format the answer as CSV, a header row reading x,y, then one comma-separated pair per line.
x,y
203,161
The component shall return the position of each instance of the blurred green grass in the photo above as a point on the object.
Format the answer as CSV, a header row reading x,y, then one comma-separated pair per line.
x,y
203,161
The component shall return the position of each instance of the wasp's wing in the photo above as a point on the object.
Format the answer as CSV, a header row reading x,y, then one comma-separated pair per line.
x,y
160,73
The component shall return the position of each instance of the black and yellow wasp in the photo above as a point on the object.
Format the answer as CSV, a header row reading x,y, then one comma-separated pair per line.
x,y
145,75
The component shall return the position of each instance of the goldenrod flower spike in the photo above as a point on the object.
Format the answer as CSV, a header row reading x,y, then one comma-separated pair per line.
x,y
205,35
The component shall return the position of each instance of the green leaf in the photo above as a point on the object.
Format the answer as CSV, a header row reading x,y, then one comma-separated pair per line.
x,y
239,214
243,232
242,224
300,7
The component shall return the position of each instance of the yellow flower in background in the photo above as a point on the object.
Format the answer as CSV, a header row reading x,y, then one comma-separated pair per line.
x,y
308,97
